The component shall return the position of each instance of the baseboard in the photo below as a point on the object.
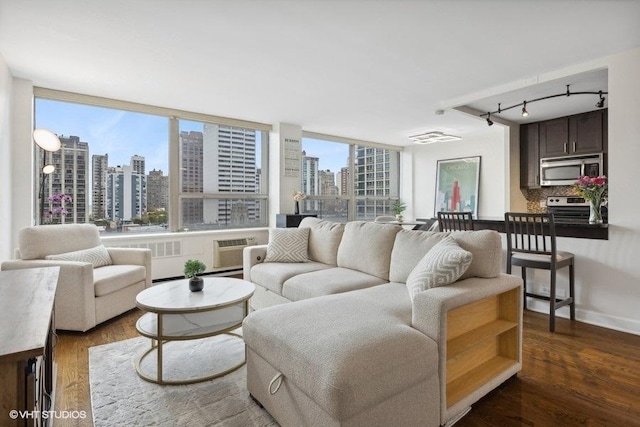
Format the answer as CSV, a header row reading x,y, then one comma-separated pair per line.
x,y
622,324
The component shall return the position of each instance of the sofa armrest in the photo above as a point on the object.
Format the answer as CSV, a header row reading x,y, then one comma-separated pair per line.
x,y
251,256
75,295
430,316
430,308
133,256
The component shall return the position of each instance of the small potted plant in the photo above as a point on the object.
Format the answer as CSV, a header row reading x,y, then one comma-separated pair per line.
x,y
191,270
398,207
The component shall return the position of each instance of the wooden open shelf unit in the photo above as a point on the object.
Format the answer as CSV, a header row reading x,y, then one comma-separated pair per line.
x,y
482,342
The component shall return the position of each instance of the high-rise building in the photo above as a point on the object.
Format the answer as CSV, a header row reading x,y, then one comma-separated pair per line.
x,y
376,175
137,163
70,177
343,181
157,190
327,183
309,180
126,191
99,165
191,175
229,155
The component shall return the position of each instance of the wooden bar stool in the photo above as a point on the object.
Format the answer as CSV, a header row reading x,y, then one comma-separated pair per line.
x,y
455,221
531,243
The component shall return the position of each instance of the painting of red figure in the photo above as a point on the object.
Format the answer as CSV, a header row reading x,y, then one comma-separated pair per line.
x,y
457,184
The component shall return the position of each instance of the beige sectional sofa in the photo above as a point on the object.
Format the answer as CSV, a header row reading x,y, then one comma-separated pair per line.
x,y
354,348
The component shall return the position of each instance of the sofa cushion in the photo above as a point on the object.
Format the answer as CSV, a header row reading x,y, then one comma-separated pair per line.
x,y
347,352
410,246
98,256
272,275
288,245
366,247
112,278
42,240
442,265
327,282
324,239
486,247
408,249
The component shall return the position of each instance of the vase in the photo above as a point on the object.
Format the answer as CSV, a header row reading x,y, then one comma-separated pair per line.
x,y
399,217
595,212
196,284
297,212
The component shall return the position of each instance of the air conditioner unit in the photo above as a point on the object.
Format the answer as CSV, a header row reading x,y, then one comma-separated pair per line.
x,y
228,253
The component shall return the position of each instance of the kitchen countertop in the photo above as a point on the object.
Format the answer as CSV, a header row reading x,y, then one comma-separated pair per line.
x,y
577,230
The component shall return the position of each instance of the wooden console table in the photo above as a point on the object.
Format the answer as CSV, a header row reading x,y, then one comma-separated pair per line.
x,y
26,344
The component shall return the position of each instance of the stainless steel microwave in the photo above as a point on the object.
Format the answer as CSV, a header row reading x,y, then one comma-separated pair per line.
x,y
567,170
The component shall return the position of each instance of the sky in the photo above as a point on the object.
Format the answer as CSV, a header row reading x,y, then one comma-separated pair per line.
x,y
123,134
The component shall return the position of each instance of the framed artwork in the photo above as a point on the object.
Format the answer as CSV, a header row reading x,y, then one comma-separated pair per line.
x,y
457,183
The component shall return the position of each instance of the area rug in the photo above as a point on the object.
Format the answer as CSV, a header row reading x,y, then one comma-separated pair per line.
x,y
120,397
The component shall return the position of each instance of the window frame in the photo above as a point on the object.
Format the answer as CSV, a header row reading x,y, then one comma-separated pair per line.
x,y
351,193
173,117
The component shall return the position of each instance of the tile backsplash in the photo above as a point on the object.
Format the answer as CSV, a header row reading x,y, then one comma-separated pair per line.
x,y
534,197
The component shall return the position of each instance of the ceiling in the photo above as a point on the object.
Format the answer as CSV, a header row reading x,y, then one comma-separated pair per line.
x,y
375,70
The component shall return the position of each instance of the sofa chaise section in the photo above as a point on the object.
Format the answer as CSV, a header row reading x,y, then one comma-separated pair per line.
x,y
349,359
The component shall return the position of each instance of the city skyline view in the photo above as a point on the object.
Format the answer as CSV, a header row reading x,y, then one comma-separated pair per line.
x,y
122,134
115,166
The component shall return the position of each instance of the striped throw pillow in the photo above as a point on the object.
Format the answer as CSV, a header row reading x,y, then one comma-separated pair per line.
x,y
442,265
98,256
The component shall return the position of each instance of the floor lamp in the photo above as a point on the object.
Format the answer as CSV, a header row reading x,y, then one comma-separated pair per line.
x,y
48,142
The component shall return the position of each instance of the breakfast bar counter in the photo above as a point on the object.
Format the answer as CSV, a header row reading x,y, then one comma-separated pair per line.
x,y
577,230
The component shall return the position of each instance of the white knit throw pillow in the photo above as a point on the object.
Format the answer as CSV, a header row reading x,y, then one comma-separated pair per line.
x,y
442,265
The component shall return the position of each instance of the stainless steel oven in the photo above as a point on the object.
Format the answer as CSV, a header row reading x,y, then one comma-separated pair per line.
x,y
567,170
571,209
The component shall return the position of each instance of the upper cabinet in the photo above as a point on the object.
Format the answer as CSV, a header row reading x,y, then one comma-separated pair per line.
x,y
529,156
579,134
565,136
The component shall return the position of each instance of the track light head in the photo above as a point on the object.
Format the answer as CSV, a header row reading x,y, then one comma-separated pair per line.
x,y
525,113
489,121
600,104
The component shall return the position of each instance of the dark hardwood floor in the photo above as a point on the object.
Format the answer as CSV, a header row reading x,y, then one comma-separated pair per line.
x,y
582,375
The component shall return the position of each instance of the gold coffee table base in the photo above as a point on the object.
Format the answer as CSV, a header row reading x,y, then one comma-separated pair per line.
x,y
158,346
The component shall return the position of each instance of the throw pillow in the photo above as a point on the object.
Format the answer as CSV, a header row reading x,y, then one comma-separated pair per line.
x,y
98,256
442,265
288,245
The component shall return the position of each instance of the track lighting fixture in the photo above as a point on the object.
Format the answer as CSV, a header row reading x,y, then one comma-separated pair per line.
x,y
600,103
525,113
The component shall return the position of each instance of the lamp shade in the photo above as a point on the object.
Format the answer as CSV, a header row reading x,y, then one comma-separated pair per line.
x,y
46,139
48,169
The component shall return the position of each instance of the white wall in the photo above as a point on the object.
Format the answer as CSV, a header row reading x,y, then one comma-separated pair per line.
x,y
491,145
5,161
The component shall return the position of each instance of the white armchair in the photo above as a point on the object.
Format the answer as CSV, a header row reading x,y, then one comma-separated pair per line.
x,y
88,292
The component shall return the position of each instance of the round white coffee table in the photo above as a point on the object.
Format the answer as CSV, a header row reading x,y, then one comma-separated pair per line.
x,y
175,313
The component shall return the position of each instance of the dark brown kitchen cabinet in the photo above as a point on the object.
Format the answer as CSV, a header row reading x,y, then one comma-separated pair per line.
x,y
529,156
554,137
578,134
586,132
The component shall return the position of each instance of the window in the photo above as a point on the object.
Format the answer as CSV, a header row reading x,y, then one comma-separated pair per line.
x,y
327,168
115,163
222,183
